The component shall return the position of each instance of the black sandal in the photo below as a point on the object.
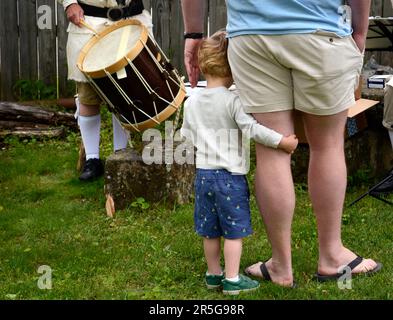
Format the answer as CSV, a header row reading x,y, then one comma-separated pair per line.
x,y
352,265
266,274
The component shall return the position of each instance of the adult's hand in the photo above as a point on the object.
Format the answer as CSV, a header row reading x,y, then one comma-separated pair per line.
x,y
191,47
75,14
360,40
360,16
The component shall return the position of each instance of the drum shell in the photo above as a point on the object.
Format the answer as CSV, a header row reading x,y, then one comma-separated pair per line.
x,y
130,96
136,91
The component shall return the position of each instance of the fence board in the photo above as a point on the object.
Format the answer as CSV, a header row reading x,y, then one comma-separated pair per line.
x,y
376,8
176,35
9,48
388,8
28,39
147,4
47,70
387,57
161,16
62,35
217,15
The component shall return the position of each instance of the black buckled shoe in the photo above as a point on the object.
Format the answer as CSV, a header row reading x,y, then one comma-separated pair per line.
x,y
385,187
93,169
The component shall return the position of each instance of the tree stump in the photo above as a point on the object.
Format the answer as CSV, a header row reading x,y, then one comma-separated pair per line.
x,y
127,178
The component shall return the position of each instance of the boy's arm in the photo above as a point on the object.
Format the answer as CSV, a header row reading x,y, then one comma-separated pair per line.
x,y
252,129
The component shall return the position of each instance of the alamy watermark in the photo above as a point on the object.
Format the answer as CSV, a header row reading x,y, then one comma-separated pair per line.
x,y
214,146
44,17
45,281
344,282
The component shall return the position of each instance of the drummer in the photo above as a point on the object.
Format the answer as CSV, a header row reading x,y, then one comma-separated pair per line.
x,y
98,14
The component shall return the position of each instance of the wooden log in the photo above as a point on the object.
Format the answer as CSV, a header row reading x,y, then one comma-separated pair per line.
x,y
34,133
21,125
67,103
10,111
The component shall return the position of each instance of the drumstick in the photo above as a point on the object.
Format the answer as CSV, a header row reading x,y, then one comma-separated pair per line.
x,y
86,25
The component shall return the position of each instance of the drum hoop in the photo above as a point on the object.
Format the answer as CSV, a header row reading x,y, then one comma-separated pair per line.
x,y
120,64
165,114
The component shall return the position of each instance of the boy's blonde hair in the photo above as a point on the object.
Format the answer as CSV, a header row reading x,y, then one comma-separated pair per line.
x,y
212,56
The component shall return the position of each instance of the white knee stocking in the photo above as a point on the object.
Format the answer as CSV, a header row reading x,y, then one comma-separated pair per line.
x,y
391,137
90,131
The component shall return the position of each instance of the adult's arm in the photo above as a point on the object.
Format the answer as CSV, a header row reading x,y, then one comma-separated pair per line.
x,y
360,14
193,17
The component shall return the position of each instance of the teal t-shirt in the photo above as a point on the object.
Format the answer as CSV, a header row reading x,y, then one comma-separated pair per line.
x,y
287,16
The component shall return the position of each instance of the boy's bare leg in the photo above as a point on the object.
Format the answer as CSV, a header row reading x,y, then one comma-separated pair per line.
x,y
232,254
212,249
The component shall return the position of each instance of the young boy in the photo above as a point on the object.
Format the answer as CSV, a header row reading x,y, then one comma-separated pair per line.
x,y
213,121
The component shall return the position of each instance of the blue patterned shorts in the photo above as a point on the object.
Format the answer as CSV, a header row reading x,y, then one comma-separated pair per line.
x,y
221,204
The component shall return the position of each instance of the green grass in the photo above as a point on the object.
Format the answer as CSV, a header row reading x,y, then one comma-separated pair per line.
x,y
47,217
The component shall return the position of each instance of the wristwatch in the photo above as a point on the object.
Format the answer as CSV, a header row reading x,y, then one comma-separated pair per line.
x,y
193,35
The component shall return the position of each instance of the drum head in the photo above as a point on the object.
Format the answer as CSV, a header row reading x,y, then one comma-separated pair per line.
x,y
111,47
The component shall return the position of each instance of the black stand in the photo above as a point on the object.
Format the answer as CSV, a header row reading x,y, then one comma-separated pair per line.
x,y
374,195
380,37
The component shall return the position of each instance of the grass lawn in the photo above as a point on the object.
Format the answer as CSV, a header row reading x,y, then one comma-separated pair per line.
x,y
48,217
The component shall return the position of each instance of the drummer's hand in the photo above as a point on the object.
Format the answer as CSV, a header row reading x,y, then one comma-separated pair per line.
x,y
75,14
191,60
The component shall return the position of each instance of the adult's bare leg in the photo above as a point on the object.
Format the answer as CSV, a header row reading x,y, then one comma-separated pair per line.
x,y
276,198
89,110
327,180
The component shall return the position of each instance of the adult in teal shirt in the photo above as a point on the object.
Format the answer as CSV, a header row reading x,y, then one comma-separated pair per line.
x,y
288,55
287,16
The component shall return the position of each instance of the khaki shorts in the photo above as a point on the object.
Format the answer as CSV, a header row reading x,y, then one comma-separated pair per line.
x,y
388,108
315,73
87,95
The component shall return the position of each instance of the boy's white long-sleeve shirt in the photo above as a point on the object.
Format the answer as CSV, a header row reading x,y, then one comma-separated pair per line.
x,y
216,124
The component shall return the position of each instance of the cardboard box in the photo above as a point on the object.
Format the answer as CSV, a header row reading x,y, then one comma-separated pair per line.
x,y
356,121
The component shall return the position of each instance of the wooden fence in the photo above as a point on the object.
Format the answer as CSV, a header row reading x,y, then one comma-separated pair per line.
x,y
33,53
30,52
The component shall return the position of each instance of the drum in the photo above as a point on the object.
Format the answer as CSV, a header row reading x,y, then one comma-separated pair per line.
x,y
132,75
